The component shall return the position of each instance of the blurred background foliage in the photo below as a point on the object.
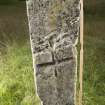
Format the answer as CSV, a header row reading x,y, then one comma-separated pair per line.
x,y
5,2
16,71
94,50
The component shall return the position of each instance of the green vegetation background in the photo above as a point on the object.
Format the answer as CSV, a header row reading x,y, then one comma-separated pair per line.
x,y
16,71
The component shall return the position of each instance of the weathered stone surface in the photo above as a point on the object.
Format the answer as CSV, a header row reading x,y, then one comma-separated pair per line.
x,y
43,58
64,53
65,83
54,30
46,87
56,83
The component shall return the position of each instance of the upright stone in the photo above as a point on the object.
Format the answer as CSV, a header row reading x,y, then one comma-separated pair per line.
x,y
54,30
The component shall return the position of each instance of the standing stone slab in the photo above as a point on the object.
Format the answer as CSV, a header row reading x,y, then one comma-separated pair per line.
x,y
54,30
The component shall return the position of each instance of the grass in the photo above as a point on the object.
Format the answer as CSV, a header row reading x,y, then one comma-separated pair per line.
x,y
16,73
94,67
17,77
94,47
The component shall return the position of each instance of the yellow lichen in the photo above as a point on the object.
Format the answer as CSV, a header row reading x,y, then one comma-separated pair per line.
x,y
53,12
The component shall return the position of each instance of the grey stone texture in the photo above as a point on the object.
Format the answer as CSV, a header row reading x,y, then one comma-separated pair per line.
x,y
54,30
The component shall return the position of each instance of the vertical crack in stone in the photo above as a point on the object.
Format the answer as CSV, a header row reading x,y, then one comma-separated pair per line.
x,y
56,74
54,30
